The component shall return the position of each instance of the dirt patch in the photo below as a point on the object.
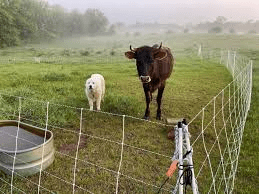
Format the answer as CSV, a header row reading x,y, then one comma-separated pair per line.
x,y
68,148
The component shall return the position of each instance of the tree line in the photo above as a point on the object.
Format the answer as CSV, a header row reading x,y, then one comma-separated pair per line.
x,y
222,25
36,20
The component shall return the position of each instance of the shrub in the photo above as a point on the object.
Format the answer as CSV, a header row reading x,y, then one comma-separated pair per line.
x,y
5,53
186,30
232,31
215,30
170,32
120,104
40,53
85,53
137,34
112,52
55,77
66,52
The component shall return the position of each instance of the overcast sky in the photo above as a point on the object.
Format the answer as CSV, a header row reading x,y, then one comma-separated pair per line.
x,y
167,11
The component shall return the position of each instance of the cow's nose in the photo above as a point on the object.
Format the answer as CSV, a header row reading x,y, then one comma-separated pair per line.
x,y
145,79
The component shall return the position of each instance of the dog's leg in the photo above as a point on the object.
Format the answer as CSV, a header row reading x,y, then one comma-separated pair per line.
x,y
103,94
91,104
103,90
98,103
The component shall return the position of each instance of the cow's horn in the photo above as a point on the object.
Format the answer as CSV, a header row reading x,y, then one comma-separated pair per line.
x,y
131,48
160,46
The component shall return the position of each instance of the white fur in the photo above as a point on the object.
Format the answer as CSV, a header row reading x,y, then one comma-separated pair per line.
x,y
96,94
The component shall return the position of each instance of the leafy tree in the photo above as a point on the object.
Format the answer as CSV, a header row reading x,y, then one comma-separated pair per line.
x,y
111,30
31,20
74,23
9,35
221,19
56,22
95,22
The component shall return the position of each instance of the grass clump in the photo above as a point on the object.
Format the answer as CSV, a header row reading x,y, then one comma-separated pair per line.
x,y
85,53
119,104
53,76
66,52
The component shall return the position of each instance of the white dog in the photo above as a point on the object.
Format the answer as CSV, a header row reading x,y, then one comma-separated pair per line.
x,y
94,90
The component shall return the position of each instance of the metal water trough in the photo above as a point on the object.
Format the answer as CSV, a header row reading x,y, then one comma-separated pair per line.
x,y
30,143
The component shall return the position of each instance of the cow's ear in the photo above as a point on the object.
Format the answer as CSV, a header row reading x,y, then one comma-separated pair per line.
x,y
159,54
130,55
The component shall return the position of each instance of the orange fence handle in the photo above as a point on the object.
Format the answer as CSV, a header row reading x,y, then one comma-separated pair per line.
x,y
172,168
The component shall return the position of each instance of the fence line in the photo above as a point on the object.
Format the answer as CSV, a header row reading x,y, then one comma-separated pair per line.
x,y
222,122
47,114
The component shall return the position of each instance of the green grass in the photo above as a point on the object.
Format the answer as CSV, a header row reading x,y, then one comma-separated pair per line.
x,y
61,81
247,180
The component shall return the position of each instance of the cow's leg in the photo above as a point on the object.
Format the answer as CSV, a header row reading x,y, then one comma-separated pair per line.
x,y
148,98
159,99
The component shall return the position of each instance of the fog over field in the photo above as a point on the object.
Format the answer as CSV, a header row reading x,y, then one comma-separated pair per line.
x,y
167,11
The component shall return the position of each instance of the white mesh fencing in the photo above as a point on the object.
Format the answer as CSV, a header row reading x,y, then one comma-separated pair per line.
x,y
95,152
99,152
220,127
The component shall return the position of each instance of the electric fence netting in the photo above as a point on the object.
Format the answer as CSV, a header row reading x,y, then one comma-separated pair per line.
x,y
101,152
221,122
95,152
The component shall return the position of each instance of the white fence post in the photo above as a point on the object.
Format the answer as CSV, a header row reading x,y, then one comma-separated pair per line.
x,y
199,52
234,64
185,160
228,60
251,83
189,157
180,130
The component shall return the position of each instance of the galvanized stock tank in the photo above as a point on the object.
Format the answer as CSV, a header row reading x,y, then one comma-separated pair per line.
x,y
30,143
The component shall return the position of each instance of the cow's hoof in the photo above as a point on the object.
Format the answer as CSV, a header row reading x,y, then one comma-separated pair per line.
x,y
158,117
146,117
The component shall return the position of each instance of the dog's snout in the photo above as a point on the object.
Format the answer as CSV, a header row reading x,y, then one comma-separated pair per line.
x,y
145,79
90,87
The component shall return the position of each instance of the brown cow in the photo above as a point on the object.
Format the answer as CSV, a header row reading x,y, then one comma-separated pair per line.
x,y
154,65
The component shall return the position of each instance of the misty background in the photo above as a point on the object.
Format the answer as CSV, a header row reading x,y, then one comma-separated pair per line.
x,y
167,11
24,21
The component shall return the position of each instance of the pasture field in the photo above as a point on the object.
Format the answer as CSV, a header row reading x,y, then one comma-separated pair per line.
x,y
57,73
